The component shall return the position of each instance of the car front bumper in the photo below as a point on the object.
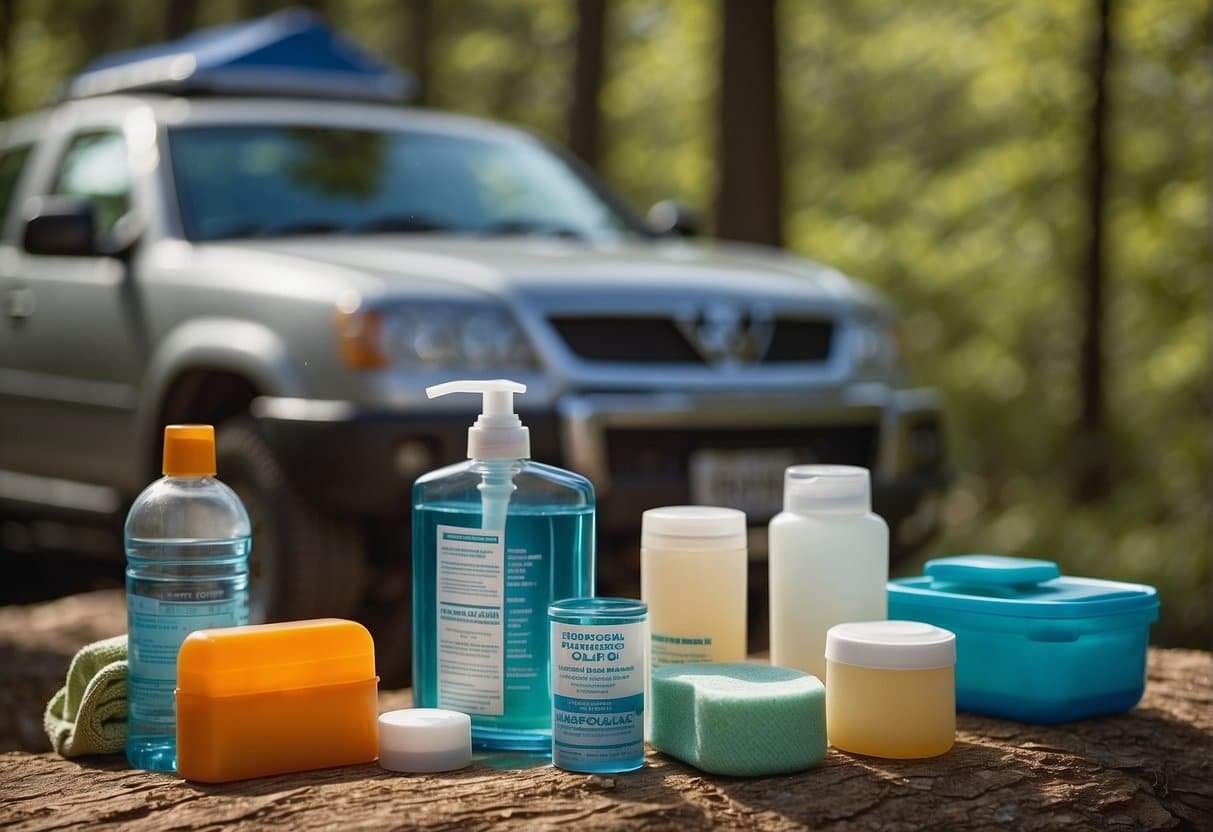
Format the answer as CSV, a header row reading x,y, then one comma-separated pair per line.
x,y
635,448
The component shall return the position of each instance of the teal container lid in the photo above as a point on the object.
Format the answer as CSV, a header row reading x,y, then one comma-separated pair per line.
x,y
1022,587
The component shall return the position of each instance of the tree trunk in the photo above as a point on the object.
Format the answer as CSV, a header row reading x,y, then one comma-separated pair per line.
x,y
8,23
1092,481
257,8
587,80
420,37
180,17
102,30
748,192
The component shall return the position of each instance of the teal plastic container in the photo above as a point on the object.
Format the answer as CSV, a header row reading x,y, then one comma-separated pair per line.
x,y
1032,644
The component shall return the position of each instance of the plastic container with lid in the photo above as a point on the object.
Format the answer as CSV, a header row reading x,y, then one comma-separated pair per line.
x,y
598,684
890,689
1032,644
693,569
274,698
829,561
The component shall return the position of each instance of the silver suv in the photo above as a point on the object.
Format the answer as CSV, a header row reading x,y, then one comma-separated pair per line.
x,y
297,271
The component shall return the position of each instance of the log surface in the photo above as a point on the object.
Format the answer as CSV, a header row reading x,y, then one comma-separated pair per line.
x,y
1149,769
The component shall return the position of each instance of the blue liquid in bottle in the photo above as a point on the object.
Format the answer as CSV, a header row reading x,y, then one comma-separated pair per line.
x,y
187,547
476,648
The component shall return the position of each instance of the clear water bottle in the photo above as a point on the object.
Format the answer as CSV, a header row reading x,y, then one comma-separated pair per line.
x,y
187,546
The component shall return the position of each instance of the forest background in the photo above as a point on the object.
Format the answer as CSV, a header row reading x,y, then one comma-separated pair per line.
x,y
1028,180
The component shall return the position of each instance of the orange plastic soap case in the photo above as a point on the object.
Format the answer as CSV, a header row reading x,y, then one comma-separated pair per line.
x,y
275,698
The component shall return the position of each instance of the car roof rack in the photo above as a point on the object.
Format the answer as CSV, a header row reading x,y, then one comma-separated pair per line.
x,y
288,53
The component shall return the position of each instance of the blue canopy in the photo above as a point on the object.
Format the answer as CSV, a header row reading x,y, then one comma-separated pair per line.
x,y
291,52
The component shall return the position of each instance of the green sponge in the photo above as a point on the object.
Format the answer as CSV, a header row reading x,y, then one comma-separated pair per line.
x,y
738,719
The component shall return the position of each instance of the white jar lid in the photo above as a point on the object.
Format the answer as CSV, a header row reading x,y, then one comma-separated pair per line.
x,y
423,740
693,528
891,645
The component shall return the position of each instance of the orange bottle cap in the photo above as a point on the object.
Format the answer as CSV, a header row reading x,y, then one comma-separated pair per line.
x,y
189,451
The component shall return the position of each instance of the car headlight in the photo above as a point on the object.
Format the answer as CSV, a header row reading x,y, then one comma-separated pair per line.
x,y
876,344
429,335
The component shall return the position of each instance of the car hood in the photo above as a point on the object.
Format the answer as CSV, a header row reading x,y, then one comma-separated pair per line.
x,y
571,275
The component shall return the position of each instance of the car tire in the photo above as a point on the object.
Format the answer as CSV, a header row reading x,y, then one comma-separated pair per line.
x,y
304,563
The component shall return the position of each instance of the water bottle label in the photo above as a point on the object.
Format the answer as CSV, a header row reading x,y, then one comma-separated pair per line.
x,y
471,598
597,693
157,627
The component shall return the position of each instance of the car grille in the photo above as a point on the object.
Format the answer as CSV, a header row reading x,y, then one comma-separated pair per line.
x,y
659,340
648,340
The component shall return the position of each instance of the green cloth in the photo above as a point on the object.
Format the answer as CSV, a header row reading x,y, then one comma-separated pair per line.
x,y
88,714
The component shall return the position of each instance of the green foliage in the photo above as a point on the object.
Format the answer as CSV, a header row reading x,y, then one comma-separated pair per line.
x,y
658,99
936,150
941,155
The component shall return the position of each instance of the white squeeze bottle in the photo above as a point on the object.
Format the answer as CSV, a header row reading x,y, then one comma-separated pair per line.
x,y
829,562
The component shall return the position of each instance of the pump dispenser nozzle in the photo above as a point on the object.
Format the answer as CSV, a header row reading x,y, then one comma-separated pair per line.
x,y
498,432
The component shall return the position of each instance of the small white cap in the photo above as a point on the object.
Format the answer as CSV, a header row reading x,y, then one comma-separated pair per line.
x,y
693,528
891,645
827,489
422,740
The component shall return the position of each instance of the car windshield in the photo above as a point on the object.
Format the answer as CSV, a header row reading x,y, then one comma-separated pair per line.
x,y
276,180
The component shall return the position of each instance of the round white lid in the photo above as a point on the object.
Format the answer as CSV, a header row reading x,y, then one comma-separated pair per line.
x,y
891,645
424,740
693,527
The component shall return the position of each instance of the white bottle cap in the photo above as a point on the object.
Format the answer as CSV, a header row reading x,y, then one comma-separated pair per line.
x,y
421,740
891,645
693,528
498,432
827,489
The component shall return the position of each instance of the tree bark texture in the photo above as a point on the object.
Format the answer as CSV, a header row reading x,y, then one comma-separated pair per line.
x,y
257,8
587,80
180,17
1148,769
1092,481
748,194
418,38
8,23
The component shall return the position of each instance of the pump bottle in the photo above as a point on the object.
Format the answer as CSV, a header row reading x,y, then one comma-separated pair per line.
x,y
495,540
829,562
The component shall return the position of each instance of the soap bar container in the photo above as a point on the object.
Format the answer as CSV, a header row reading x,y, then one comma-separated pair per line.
x,y
275,698
1031,644
890,689
495,540
598,684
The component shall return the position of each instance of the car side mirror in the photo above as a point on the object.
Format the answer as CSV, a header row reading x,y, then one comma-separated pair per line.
x,y
61,226
672,219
